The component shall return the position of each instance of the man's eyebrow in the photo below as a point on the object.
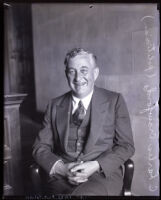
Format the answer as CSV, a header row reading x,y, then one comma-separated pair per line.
x,y
84,67
69,68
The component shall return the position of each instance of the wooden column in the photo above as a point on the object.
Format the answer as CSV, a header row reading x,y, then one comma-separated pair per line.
x,y
13,184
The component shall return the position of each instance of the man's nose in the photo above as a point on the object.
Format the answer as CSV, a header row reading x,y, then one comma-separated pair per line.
x,y
77,76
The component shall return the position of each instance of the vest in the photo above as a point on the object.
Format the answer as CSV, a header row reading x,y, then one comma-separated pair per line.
x,y
78,136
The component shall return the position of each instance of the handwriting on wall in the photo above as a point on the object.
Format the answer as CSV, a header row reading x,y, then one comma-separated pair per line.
x,y
151,108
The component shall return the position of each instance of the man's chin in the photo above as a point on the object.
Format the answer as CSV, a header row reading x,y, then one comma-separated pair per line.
x,y
80,94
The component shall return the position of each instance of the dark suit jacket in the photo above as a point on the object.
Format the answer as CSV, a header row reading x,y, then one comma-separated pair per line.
x,y
110,140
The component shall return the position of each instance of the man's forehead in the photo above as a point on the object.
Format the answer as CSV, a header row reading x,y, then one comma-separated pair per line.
x,y
80,58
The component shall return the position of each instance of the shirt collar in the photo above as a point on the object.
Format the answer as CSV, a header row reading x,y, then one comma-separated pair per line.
x,y
86,100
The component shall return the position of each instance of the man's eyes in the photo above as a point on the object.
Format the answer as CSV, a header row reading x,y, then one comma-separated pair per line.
x,y
71,71
84,71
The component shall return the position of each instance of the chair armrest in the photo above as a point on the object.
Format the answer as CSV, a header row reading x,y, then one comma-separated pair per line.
x,y
35,178
128,176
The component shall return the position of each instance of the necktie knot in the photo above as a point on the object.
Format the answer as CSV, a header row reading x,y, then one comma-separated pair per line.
x,y
79,114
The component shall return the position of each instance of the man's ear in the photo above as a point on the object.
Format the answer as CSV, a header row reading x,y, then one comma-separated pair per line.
x,y
96,72
66,73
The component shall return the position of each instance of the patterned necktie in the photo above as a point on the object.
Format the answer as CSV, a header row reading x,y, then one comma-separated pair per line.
x,y
79,114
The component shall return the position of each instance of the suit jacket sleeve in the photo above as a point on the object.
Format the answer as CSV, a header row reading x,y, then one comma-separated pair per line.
x,y
123,147
44,145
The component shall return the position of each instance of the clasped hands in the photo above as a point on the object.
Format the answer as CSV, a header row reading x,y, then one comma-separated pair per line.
x,y
78,172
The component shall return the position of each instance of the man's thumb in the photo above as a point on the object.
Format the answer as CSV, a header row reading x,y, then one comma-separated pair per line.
x,y
76,168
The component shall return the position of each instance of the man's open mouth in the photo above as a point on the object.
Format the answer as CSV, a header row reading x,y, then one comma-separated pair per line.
x,y
77,84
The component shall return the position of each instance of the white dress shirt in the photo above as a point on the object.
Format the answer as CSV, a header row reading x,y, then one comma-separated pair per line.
x,y
86,101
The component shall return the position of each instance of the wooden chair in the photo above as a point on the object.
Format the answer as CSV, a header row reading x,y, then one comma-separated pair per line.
x,y
128,170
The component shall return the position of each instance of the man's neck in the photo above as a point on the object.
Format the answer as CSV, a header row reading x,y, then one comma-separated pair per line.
x,y
86,100
84,97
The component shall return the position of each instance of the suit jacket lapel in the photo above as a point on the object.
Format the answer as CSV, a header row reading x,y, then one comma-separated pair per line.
x,y
99,105
62,119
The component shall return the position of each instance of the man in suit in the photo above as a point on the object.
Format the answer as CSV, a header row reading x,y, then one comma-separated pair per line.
x,y
86,136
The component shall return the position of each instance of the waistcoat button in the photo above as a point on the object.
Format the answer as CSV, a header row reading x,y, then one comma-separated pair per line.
x,y
78,144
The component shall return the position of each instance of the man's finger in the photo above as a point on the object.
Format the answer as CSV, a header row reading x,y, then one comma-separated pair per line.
x,y
78,167
72,164
73,178
77,179
81,174
70,173
77,174
77,182
82,180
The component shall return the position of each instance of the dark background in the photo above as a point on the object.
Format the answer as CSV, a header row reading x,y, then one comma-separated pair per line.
x,y
37,37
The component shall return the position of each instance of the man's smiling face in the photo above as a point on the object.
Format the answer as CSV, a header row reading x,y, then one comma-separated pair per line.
x,y
81,73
